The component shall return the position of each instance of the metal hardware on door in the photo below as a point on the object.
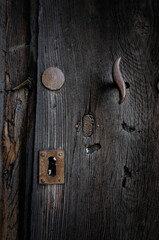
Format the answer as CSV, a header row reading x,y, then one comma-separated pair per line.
x,y
27,83
53,78
119,80
51,167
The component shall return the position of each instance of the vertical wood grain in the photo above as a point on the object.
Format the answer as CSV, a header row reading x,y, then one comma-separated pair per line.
x,y
2,76
111,186
30,127
111,193
14,134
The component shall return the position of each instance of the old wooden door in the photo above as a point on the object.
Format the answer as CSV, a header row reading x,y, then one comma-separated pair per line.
x,y
111,188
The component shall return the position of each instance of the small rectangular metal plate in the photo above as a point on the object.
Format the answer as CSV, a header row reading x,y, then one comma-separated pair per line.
x,y
58,177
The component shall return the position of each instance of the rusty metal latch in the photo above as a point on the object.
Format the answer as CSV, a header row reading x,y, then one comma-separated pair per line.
x,y
119,80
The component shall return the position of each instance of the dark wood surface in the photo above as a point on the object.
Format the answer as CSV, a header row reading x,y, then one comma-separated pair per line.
x,y
111,188
17,116
2,74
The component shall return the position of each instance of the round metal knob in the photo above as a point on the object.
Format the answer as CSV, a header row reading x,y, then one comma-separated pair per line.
x,y
53,78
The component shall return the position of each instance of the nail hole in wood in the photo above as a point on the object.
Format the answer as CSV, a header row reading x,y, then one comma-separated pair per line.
x,y
127,85
93,148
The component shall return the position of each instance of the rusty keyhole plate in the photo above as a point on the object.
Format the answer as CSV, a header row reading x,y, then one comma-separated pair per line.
x,y
44,177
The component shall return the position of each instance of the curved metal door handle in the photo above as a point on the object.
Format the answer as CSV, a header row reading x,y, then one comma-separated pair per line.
x,y
119,79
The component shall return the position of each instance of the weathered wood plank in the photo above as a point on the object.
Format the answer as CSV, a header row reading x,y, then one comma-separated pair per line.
x,y
112,158
2,66
14,133
31,114
111,193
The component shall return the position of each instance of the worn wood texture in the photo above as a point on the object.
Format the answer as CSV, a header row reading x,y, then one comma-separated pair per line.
x,y
111,188
30,128
17,116
112,193
2,74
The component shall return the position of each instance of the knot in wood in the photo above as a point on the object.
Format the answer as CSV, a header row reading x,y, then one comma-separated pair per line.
x,y
88,125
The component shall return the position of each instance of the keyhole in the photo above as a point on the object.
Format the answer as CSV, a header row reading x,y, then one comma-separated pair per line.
x,y
52,167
